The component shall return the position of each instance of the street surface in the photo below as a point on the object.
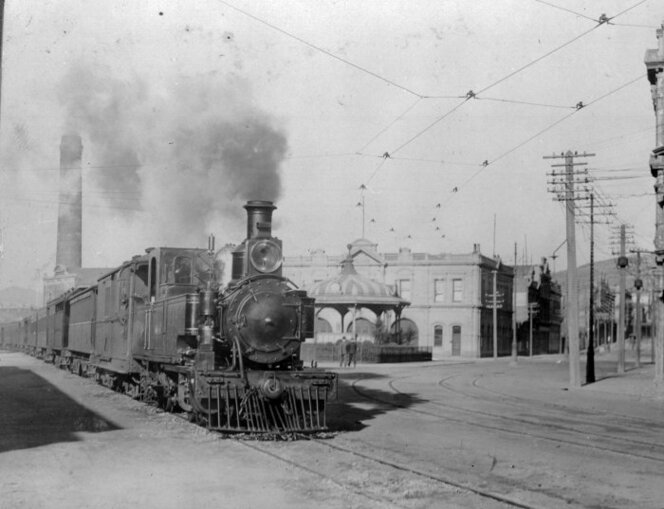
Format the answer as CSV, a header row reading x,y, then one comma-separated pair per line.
x,y
472,434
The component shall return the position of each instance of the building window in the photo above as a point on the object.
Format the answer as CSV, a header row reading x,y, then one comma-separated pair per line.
x,y
438,290
457,290
438,335
404,289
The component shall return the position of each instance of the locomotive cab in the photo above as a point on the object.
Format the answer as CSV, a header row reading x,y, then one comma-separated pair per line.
x,y
177,271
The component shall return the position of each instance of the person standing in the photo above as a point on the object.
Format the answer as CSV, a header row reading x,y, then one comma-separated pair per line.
x,y
342,351
351,351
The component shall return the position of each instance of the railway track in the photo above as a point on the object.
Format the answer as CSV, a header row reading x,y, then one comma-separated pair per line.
x,y
580,427
447,483
580,441
522,428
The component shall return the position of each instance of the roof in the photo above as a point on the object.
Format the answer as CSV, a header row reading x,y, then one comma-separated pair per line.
x,y
88,276
350,288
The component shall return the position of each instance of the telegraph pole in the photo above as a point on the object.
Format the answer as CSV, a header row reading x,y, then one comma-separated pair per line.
x,y
654,61
532,310
2,30
495,315
590,355
622,265
605,209
638,283
514,349
653,319
572,308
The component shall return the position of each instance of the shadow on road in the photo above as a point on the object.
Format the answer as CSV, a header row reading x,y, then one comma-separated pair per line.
x,y
34,413
357,404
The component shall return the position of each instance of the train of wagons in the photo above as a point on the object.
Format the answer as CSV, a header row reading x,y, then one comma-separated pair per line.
x,y
166,328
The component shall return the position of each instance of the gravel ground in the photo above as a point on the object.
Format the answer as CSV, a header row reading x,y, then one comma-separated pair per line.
x,y
476,434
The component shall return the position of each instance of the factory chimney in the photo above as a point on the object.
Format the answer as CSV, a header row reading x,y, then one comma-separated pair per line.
x,y
68,254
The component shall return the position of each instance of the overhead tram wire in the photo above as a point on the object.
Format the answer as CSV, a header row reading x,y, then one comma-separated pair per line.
x,y
542,57
406,111
513,73
649,27
321,50
551,126
629,9
487,163
488,87
638,78
566,10
420,133
513,101
378,167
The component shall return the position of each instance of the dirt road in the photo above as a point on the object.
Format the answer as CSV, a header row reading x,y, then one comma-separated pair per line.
x,y
478,434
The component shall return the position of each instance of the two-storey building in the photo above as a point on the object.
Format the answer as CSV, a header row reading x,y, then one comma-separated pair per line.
x,y
451,296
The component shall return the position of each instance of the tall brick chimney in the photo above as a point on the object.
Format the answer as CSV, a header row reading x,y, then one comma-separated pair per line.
x,y
68,253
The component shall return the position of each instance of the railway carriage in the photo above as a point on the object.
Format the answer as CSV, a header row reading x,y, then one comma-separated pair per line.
x,y
41,326
165,327
81,329
57,311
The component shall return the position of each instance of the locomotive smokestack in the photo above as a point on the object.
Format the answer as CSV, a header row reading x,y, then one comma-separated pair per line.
x,y
68,253
259,218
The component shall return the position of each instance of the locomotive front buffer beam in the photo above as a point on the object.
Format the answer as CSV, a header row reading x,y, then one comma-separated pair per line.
x,y
264,401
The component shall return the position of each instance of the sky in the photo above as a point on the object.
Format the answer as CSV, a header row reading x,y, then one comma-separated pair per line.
x,y
437,115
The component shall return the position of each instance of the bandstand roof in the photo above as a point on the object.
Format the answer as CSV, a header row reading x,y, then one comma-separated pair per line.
x,y
349,289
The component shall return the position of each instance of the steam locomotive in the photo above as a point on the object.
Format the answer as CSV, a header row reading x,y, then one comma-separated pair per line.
x,y
166,329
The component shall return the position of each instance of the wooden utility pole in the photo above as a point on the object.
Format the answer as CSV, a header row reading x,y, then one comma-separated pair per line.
x,y
572,301
590,353
495,314
2,30
653,320
622,265
514,283
654,61
638,283
532,310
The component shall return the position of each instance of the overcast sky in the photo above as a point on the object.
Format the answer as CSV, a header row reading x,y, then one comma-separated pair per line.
x,y
187,109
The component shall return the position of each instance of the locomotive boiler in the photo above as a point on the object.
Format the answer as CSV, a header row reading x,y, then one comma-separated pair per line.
x,y
170,327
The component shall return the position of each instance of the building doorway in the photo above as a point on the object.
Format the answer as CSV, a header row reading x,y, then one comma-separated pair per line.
x,y
456,340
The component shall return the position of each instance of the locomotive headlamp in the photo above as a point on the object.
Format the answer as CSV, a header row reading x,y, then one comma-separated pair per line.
x,y
265,256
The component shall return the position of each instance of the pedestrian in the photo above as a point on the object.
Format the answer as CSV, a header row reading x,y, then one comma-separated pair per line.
x,y
351,350
342,352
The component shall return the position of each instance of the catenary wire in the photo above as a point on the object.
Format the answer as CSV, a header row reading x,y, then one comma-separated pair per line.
x,y
566,10
504,78
321,50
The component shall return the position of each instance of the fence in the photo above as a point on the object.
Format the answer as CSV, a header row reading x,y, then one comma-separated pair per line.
x,y
366,352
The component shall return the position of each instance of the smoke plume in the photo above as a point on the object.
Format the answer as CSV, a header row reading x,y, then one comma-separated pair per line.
x,y
172,164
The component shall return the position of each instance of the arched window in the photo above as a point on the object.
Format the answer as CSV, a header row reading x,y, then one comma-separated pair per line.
x,y
409,331
363,327
438,335
322,325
